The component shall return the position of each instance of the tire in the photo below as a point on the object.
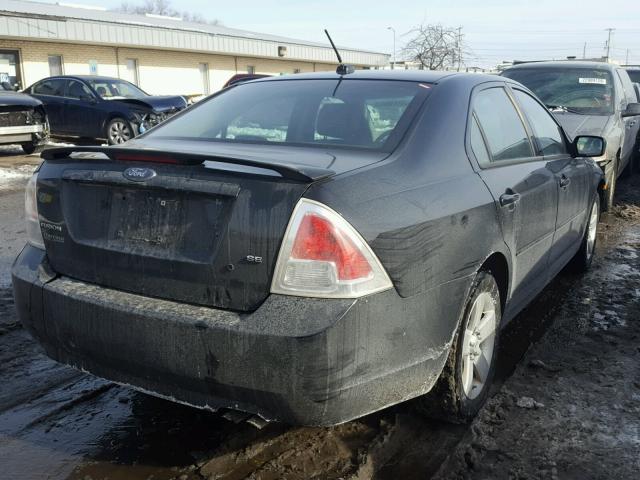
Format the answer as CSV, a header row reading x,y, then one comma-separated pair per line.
x,y
119,131
610,192
28,148
583,259
459,393
634,162
628,169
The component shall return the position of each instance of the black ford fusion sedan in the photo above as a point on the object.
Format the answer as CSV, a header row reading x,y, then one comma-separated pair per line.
x,y
101,108
309,249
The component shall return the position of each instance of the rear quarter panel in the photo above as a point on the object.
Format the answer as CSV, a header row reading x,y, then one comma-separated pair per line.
x,y
426,214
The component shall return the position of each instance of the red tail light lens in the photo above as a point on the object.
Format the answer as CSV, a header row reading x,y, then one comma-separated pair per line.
x,y
322,255
318,239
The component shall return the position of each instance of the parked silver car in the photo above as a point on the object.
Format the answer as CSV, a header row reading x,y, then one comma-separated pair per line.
x,y
590,98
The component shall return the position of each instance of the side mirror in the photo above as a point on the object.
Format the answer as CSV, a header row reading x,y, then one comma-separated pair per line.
x,y
589,146
632,110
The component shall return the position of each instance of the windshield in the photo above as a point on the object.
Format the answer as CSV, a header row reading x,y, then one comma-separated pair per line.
x,y
114,88
367,114
576,90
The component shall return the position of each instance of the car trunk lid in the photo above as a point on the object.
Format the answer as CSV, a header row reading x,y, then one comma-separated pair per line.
x,y
202,229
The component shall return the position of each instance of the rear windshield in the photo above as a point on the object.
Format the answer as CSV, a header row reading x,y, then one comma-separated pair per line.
x,y
369,114
576,90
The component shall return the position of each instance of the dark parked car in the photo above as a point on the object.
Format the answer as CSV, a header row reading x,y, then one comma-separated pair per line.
x,y
590,98
101,108
23,120
243,77
312,248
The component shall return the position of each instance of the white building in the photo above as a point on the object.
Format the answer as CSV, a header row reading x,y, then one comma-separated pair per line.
x,y
162,55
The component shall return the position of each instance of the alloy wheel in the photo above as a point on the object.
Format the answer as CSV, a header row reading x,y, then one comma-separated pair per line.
x,y
119,132
592,229
477,346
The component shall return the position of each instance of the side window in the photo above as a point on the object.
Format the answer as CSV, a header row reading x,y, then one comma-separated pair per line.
x,y
78,90
477,143
546,131
506,136
53,87
627,86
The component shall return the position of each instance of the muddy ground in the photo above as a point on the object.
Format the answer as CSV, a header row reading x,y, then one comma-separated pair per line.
x,y
566,402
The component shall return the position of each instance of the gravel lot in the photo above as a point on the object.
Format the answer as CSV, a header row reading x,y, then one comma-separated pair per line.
x,y
566,403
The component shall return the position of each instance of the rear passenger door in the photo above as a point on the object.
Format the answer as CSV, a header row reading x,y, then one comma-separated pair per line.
x,y
572,176
522,183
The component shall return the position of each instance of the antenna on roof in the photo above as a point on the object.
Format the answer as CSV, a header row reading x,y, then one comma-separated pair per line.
x,y
343,69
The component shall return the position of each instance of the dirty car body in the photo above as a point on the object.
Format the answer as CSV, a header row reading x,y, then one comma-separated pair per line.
x,y
176,263
23,120
82,106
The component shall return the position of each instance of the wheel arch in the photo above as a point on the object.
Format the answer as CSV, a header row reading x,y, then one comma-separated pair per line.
x,y
498,266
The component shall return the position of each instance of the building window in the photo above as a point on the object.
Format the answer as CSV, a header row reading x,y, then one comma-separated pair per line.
x,y
296,70
55,65
204,77
132,70
251,69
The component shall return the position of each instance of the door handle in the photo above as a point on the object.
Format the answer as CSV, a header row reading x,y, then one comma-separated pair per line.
x,y
564,181
509,198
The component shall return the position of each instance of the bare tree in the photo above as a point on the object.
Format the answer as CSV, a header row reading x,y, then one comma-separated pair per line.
x,y
435,47
163,7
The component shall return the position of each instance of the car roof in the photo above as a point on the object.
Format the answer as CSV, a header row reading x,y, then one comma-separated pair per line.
x,y
427,76
83,77
565,64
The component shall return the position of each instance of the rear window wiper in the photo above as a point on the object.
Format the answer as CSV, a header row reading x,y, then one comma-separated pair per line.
x,y
562,108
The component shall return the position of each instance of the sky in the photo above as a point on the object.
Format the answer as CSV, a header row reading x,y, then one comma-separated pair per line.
x,y
494,31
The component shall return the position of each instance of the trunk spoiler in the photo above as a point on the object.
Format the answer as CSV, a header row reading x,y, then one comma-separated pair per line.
x,y
298,173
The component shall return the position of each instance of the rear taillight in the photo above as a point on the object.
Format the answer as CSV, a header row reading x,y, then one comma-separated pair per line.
x,y
323,256
34,234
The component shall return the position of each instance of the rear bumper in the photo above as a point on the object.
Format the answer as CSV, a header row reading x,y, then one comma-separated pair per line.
x,y
297,360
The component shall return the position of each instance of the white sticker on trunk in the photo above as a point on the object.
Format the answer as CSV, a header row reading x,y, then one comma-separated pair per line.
x,y
596,81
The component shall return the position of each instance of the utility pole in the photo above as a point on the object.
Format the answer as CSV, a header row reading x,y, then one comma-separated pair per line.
x,y
459,47
610,30
584,51
393,63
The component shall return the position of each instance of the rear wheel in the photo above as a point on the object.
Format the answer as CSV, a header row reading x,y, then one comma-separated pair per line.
x,y
468,374
583,259
610,192
119,131
28,148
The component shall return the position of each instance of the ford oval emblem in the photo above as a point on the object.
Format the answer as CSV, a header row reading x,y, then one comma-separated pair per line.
x,y
136,174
